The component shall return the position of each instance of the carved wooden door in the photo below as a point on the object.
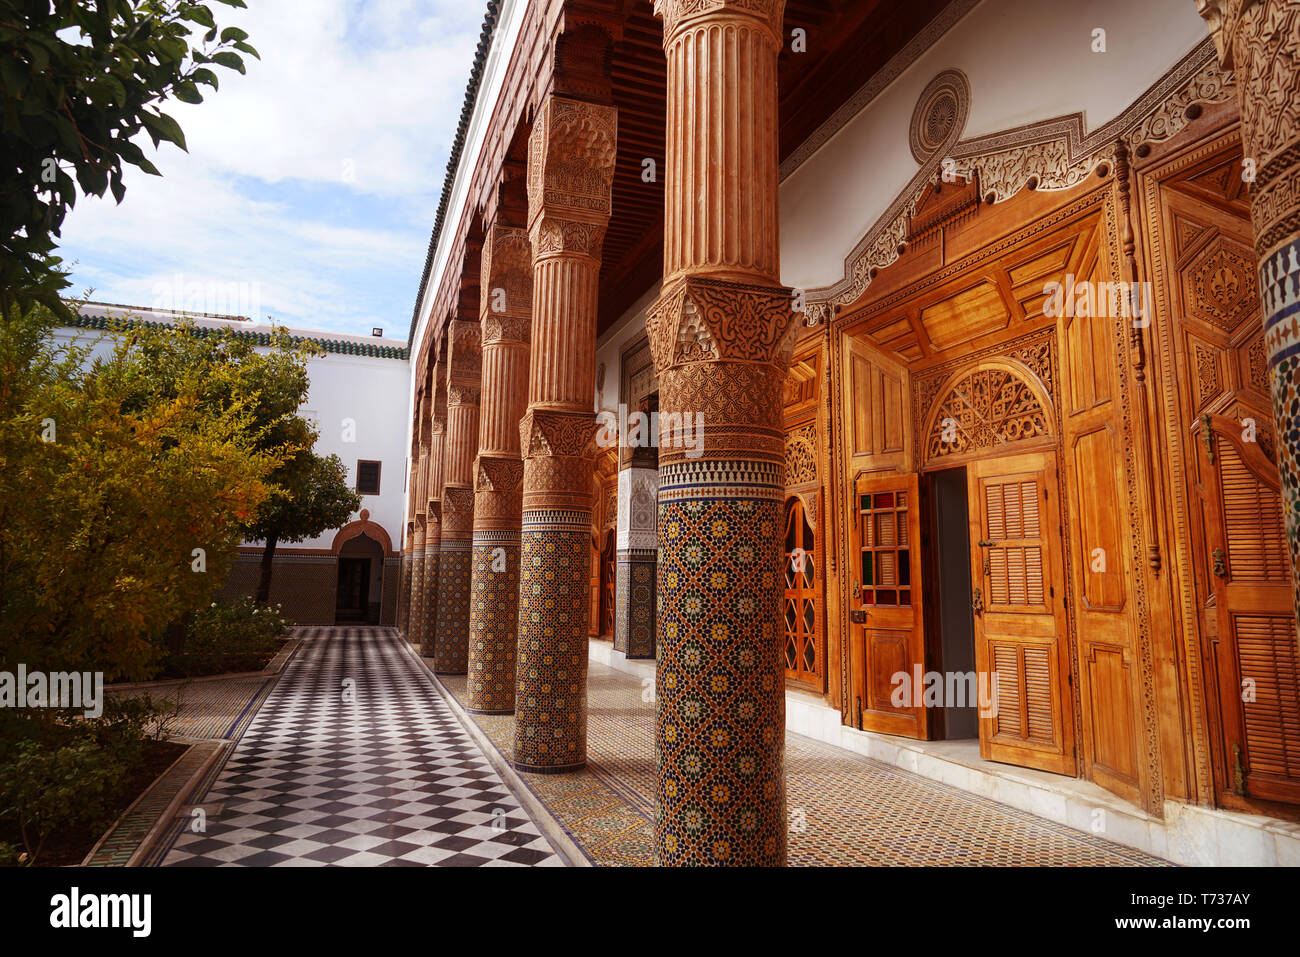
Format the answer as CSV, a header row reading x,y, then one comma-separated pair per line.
x,y
1250,633
1018,596
607,587
886,604
799,598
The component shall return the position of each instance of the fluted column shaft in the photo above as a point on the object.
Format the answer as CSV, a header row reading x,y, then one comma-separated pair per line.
x,y
464,362
432,497
570,171
505,318
1259,40
721,333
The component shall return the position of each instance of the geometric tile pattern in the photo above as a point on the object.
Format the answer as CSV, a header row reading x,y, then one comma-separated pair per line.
x,y
843,809
721,710
122,841
493,626
451,647
356,760
612,826
551,702
634,628
1279,285
217,709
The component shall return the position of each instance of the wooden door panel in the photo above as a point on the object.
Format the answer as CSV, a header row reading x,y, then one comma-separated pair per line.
x,y
1020,634
886,601
1253,645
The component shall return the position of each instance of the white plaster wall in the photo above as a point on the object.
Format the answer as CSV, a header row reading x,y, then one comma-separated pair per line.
x,y
368,390
372,393
1027,60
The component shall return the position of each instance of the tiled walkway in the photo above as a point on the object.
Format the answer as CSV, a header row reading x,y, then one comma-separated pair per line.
x,y
844,809
354,759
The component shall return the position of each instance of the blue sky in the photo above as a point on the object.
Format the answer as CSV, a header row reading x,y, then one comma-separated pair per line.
x,y
311,184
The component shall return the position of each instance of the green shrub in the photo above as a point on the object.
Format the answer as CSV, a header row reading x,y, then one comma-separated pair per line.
x,y
229,637
60,771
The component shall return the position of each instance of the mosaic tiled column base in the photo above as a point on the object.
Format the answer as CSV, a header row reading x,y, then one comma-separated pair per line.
x,y
414,597
551,701
404,594
721,710
634,616
451,643
493,623
429,586
1279,283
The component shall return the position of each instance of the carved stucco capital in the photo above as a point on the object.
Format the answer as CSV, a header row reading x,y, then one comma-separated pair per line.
x,y
698,320
571,155
507,286
1260,41
679,15
1222,17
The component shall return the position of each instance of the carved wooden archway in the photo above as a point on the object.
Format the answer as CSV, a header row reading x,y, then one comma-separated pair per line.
x,y
363,526
984,409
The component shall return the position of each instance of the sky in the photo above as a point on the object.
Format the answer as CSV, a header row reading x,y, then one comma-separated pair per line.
x,y
311,184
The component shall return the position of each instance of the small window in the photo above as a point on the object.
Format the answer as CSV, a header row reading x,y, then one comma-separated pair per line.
x,y
368,478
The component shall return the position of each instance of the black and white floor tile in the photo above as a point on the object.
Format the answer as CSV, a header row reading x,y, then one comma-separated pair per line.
x,y
355,760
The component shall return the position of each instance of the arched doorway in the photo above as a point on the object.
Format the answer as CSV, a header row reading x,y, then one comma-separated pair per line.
x,y
360,581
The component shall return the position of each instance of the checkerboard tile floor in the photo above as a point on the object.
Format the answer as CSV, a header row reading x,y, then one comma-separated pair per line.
x,y
355,760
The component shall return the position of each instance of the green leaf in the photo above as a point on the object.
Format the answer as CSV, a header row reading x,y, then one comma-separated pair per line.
x,y
164,127
200,15
187,92
233,33
13,75
229,60
204,75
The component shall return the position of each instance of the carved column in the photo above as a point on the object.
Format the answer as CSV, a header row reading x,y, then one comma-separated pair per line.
x,y
432,493
416,624
404,585
1259,40
721,332
506,313
461,442
637,549
571,153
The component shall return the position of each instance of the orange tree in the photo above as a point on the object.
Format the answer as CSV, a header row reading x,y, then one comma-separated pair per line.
x,y
126,485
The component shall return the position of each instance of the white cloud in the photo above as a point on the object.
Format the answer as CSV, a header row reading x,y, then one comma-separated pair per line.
x,y
315,177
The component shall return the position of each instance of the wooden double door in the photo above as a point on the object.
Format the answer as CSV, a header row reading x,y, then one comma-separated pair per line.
x,y
1021,684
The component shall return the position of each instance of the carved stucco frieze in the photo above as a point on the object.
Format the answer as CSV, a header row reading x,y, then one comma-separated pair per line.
x,y
1052,155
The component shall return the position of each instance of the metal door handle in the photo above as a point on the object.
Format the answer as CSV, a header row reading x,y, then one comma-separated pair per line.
x,y
977,602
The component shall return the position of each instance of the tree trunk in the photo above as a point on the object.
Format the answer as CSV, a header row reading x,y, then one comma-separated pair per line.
x,y
264,583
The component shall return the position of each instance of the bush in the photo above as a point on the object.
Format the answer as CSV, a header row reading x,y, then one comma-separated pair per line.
x,y
229,637
60,772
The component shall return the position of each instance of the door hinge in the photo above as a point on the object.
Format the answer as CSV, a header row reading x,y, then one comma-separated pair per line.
x,y
1207,436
